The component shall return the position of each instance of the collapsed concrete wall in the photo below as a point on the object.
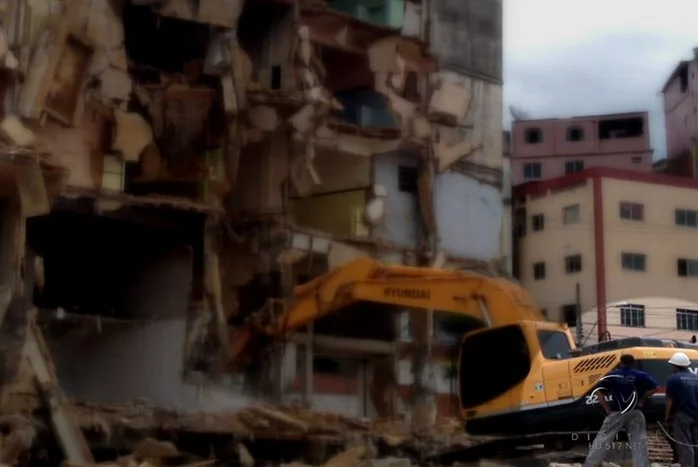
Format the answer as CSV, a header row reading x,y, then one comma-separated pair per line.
x,y
140,356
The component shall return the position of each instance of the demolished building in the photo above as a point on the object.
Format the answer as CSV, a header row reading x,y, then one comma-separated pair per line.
x,y
173,167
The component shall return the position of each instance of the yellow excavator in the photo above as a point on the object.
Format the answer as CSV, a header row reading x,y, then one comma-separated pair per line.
x,y
539,382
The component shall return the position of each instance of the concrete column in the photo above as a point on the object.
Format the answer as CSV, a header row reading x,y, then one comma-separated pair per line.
x,y
308,366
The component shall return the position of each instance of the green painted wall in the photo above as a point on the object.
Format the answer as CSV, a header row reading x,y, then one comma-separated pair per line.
x,y
389,13
332,213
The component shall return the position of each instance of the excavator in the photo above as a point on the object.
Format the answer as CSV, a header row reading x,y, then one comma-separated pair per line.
x,y
539,386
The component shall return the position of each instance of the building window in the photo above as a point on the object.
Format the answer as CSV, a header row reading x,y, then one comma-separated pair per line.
x,y
539,271
575,133
533,135
573,264
686,320
407,179
687,267
538,222
570,214
632,316
636,159
686,217
633,261
572,167
569,314
532,171
632,211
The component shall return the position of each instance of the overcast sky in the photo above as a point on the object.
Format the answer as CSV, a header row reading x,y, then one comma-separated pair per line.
x,y
565,58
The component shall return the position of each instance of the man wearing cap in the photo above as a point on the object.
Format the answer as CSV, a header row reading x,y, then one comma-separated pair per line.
x,y
629,389
682,406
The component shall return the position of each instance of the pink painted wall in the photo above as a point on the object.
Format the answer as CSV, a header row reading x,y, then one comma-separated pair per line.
x,y
555,150
681,110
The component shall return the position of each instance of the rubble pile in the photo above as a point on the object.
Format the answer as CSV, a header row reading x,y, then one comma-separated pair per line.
x,y
264,421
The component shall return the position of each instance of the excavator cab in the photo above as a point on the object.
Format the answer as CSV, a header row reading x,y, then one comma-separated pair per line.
x,y
502,372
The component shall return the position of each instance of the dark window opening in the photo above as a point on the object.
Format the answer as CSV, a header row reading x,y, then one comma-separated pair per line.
x,y
632,316
686,320
533,135
633,261
407,179
572,167
538,222
532,171
539,271
687,267
569,314
276,77
554,345
636,159
506,340
575,133
686,218
573,264
622,128
632,211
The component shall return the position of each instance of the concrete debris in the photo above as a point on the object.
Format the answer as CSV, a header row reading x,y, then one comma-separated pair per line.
x,y
14,132
133,135
449,103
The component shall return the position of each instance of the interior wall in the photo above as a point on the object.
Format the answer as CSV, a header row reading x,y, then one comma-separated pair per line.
x,y
113,362
334,213
469,216
401,221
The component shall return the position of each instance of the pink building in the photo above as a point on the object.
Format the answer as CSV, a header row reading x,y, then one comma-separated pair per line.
x,y
545,149
681,117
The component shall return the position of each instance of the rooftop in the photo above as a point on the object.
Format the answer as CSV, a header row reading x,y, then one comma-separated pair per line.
x,y
567,181
584,117
674,74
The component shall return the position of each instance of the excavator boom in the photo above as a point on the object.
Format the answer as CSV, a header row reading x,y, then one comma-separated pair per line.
x,y
493,301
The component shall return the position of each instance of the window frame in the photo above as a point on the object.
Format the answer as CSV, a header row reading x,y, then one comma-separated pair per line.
x,y
539,270
632,316
628,210
571,260
537,222
686,214
528,165
687,316
576,167
631,259
571,208
580,132
531,131
408,179
690,266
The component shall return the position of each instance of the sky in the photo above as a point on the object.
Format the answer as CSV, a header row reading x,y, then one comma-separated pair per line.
x,y
566,58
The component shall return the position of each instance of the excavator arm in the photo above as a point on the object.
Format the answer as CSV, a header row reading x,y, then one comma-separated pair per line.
x,y
493,301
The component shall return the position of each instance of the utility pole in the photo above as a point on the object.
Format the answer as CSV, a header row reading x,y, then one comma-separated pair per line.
x,y
578,302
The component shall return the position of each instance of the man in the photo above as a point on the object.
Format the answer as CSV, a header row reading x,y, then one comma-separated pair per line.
x,y
682,405
629,389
